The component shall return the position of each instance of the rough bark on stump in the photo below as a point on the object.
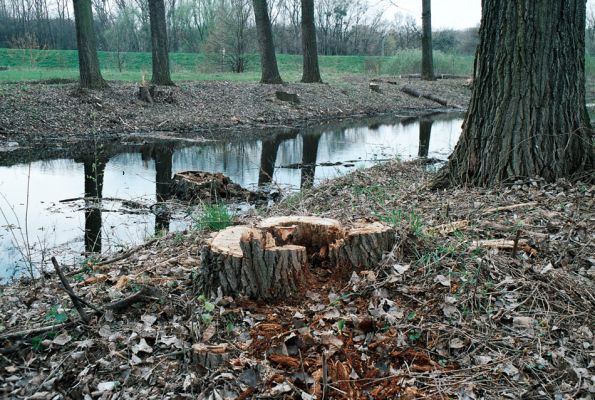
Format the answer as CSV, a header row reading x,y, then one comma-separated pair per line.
x,y
244,260
272,260
363,245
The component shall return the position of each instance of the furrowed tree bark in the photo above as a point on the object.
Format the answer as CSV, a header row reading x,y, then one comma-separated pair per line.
x,y
427,61
527,114
90,74
161,75
264,31
311,73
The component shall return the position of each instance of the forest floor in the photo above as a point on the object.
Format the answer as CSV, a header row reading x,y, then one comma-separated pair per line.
x,y
214,110
442,316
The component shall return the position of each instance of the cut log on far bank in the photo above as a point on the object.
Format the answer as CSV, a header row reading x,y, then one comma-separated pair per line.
x,y
273,259
412,92
203,186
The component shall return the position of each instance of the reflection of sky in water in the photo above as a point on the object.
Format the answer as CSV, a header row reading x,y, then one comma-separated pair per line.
x,y
58,228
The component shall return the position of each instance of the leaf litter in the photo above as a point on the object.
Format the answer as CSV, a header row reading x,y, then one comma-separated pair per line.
x,y
440,317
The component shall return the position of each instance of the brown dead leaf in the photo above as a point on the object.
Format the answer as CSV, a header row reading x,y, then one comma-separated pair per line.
x,y
95,279
343,381
317,386
122,282
285,361
204,348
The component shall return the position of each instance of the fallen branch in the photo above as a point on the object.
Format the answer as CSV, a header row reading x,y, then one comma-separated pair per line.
x,y
76,301
35,331
509,228
440,76
128,253
496,244
504,244
146,293
510,207
129,203
412,92
445,229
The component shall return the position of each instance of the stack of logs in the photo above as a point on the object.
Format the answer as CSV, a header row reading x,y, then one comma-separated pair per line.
x,y
272,260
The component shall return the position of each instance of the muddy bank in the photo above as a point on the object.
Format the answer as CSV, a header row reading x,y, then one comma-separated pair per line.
x,y
449,312
211,110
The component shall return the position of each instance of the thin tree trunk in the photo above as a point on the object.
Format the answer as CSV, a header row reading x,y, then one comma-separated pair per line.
x,y
268,60
309,48
527,115
90,74
427,62
159,44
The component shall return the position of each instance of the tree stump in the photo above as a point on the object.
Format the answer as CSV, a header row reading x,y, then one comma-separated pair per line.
x,y
273,259
202,186
375,87
288,97
145,93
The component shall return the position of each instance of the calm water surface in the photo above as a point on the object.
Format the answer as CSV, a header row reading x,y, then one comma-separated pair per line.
x,y
34,215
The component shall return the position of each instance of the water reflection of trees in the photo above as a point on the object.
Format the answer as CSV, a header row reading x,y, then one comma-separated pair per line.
x,y
268,156
425,131
309,156
94,170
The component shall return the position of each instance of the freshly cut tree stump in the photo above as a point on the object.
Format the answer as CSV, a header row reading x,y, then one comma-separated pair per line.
x,y
311,232
273,259
363,245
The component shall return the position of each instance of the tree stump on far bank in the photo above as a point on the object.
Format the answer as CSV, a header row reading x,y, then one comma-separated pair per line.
x,y
273,259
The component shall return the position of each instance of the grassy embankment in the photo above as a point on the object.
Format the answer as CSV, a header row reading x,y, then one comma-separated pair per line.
x,y
27,65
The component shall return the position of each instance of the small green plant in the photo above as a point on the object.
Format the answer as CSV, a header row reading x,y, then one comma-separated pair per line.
x,y
341,326
213,218
178,238
397,217
56,313
414,335
208,308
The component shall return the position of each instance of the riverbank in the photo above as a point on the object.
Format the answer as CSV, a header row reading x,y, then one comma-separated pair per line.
x,y
213,110
444,315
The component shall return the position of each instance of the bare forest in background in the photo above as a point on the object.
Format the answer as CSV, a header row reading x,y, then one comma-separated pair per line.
x,y
223,29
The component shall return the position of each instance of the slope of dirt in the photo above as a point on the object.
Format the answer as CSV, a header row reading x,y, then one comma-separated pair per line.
x,y
445,315
211,109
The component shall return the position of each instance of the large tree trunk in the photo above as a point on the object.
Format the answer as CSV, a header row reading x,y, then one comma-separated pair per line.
x,y
264,31
90,75
159,44
311,70
527,114
427,62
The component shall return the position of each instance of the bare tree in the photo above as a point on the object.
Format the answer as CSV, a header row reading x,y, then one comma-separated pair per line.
x,y
311,72
90,75
159,50
427,62
264,31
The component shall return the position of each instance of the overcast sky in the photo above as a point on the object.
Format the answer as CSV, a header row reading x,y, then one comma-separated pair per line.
x,y
458,14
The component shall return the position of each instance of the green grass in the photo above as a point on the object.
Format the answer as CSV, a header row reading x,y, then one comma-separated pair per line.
x,y
28,65
212,218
